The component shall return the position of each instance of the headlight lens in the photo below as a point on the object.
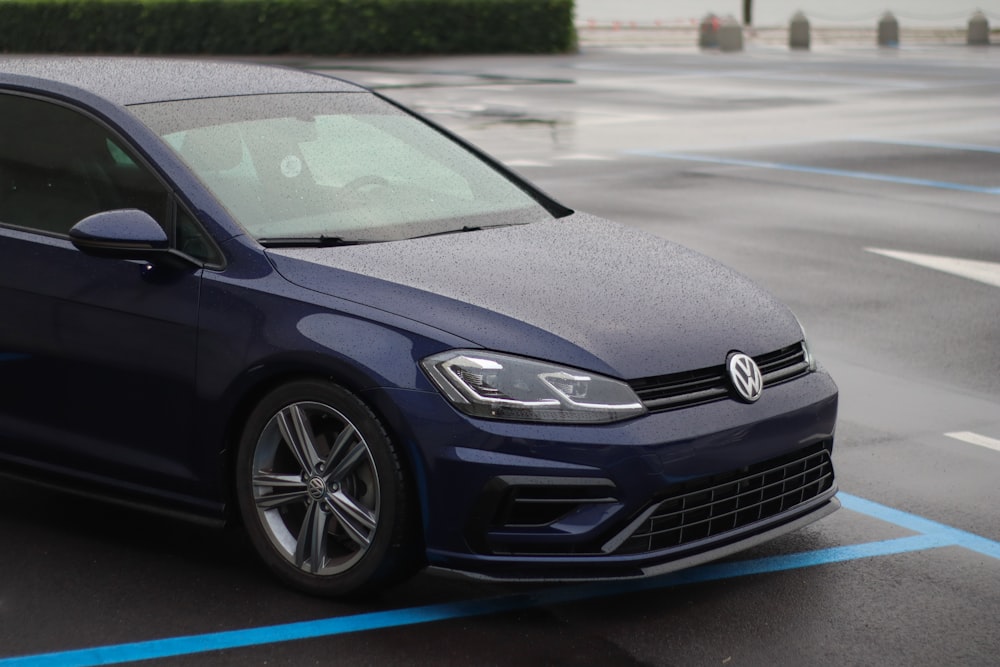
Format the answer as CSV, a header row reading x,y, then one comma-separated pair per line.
x,y
502,386
810,359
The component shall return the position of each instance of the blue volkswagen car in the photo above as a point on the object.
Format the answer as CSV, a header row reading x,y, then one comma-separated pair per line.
x,y
278,299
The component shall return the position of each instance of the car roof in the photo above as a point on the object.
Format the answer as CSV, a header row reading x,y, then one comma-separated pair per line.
x,y
126,81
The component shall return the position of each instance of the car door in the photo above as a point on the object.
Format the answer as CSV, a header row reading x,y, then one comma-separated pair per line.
x,y
97,355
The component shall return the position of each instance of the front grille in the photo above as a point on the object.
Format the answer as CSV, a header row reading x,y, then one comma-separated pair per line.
x,y
669,392
713,506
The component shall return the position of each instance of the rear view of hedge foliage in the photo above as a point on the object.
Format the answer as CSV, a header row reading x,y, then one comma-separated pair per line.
x,y
286,26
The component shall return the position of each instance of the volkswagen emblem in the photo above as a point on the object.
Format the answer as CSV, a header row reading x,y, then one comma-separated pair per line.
x,y
745,376
316,488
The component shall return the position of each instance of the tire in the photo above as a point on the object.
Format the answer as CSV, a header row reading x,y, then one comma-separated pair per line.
x,y
323,494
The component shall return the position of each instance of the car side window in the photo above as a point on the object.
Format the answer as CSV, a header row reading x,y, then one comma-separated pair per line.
x,y
57,166
192,241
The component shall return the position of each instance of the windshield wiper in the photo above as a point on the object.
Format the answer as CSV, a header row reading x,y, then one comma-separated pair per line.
x,y
321,241
466,228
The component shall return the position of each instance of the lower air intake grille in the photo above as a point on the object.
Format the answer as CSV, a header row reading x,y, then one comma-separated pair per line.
x,y
719,504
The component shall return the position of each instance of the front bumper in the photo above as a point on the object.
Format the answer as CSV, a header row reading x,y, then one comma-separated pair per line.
x,y
650,495
585,569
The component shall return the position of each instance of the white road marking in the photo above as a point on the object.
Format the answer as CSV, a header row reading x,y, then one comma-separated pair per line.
x,y
975,439
984,272
584,156
526,163
598,119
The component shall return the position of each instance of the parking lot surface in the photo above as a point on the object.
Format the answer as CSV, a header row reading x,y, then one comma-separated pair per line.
x,y
859,186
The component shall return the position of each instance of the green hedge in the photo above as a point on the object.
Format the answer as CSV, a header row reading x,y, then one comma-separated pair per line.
x,y
286,26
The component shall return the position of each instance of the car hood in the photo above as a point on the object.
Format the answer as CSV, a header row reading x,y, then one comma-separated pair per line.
x,y
578,290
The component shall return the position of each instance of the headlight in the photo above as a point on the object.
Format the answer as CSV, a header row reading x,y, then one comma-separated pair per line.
x,y
810,359
501,386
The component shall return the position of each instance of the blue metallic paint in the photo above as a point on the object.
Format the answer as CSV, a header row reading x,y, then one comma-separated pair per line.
x,y
569,290
88,392
177,357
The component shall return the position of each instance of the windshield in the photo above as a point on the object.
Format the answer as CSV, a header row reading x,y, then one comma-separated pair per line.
x,y
341,166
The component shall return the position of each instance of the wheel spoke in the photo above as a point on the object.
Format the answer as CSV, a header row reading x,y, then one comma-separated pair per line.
x,y
337,449
359,512
297,434
318,557
274,479
275,500
302,540
349,462
293,490
311,541
356,520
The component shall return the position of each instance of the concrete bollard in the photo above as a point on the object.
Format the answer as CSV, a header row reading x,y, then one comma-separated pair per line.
x,y
979,30
798,32
708,32
730,35
888,30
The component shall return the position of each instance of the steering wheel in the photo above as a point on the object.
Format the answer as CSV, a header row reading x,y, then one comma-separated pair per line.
x,y
366,181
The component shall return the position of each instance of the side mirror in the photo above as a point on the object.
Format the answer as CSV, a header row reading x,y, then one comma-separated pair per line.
x,y
122,234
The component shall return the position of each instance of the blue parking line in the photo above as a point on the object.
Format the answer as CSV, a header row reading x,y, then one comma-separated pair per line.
x,y
929,535
822,171
918,524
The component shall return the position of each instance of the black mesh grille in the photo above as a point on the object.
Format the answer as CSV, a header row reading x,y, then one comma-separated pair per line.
x,y
719,504
668,392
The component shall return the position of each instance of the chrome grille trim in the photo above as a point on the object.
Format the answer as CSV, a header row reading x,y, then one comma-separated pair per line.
x,y
718,505
668,392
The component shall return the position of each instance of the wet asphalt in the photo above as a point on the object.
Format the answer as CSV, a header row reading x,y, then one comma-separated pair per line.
x,y
809,172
